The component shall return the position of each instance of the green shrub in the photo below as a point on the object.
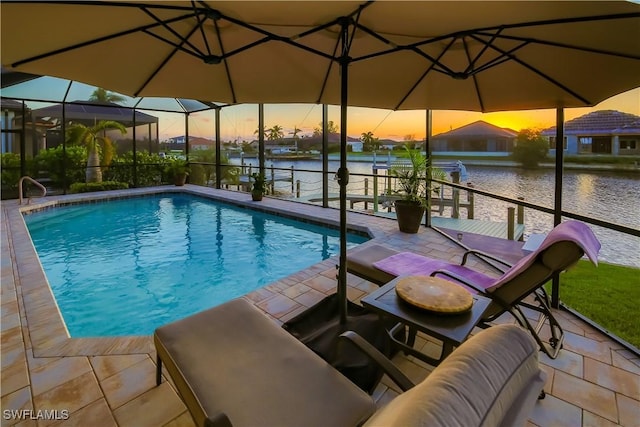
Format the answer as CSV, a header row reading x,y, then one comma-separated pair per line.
x,y
204,171
10,171
531,148
87,187
58,164
150,167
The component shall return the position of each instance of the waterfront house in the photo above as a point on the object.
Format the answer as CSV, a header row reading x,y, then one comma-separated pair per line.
x,y
599,132
478,137
199,143
308,143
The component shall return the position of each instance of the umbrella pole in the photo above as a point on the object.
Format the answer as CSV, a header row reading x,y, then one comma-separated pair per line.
x,y
343,175
557,215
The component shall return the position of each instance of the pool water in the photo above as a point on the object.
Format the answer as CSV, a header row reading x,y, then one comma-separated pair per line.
x,y
127,266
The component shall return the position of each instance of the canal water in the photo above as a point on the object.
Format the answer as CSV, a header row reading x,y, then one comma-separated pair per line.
x,y
608,196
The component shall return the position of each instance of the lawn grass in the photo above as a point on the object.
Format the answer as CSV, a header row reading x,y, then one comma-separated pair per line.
x,y
609,295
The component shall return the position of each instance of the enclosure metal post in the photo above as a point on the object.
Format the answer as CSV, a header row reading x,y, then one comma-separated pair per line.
x,y
427,150
325,156
557,216
218,151
375,189
261,138
65,180
22,142
134,149
186,136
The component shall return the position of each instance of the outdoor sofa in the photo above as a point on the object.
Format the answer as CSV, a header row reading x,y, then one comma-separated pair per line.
x,y
233,366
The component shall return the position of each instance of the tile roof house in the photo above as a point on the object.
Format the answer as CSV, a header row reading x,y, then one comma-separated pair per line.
x,y
600,132
479,137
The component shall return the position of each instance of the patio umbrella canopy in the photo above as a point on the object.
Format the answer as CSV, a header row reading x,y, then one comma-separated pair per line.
x,y
480,56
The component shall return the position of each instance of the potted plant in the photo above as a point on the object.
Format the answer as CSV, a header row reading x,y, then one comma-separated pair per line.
x,y
259,187
412,188
177,169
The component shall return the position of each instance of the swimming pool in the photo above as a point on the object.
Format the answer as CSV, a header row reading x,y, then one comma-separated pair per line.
x,y
126,266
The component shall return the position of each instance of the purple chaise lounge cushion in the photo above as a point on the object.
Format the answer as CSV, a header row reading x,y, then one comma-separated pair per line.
x,y
408,263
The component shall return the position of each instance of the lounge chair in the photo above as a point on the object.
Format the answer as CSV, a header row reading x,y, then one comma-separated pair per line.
x,y
562,248
233,366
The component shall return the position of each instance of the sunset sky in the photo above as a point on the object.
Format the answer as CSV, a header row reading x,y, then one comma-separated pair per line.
x,y
240,122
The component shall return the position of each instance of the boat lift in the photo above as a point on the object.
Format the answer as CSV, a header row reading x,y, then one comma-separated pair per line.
x,y
455,169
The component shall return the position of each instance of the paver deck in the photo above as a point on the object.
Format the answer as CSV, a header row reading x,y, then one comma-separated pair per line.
x,y
110,381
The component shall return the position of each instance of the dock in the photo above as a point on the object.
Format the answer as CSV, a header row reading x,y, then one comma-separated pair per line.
x,y
501,230
486,228
512,229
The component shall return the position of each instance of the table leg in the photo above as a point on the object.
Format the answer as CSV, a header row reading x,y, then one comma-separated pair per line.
x,y
408,349
411,339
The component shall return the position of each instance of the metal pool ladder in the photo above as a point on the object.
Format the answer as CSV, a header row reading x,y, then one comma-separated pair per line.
x,y
37,184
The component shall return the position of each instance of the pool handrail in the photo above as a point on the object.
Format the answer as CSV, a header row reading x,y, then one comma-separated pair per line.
x,y
36,183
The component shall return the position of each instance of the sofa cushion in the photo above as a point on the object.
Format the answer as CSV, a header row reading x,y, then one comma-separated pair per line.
x,y
234,366
493,379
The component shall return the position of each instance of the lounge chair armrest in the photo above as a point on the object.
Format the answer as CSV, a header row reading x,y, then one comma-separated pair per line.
x,y
460,279
380,359
483,256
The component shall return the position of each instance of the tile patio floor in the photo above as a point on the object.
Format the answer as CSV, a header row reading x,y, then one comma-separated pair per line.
x,y
110,381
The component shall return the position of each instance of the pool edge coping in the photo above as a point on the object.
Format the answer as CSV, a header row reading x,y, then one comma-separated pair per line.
x,y
47,333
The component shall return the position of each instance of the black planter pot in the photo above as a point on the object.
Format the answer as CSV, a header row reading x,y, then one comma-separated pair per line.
x,y
256,196
409,214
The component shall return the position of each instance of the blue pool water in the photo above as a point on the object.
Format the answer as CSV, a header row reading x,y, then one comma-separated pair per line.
x,y
127,266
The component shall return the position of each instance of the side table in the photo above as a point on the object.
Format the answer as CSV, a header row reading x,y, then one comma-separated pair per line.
x,y
451,329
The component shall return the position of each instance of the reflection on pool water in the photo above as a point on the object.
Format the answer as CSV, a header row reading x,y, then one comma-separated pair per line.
x,y
125,267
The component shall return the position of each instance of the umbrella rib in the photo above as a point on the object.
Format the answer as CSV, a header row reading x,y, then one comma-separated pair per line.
x,y
396,48
567,46
164,62
269,36
226,63
496,61
175,45
529,24
538,72
473,76
572,20
97,40
326,76
482,51
422,77
204,37
171,30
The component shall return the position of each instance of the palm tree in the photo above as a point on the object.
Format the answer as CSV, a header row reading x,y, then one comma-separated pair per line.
x,y
369,142
102,95
296,129
331,128
95,139
295,132
275,133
